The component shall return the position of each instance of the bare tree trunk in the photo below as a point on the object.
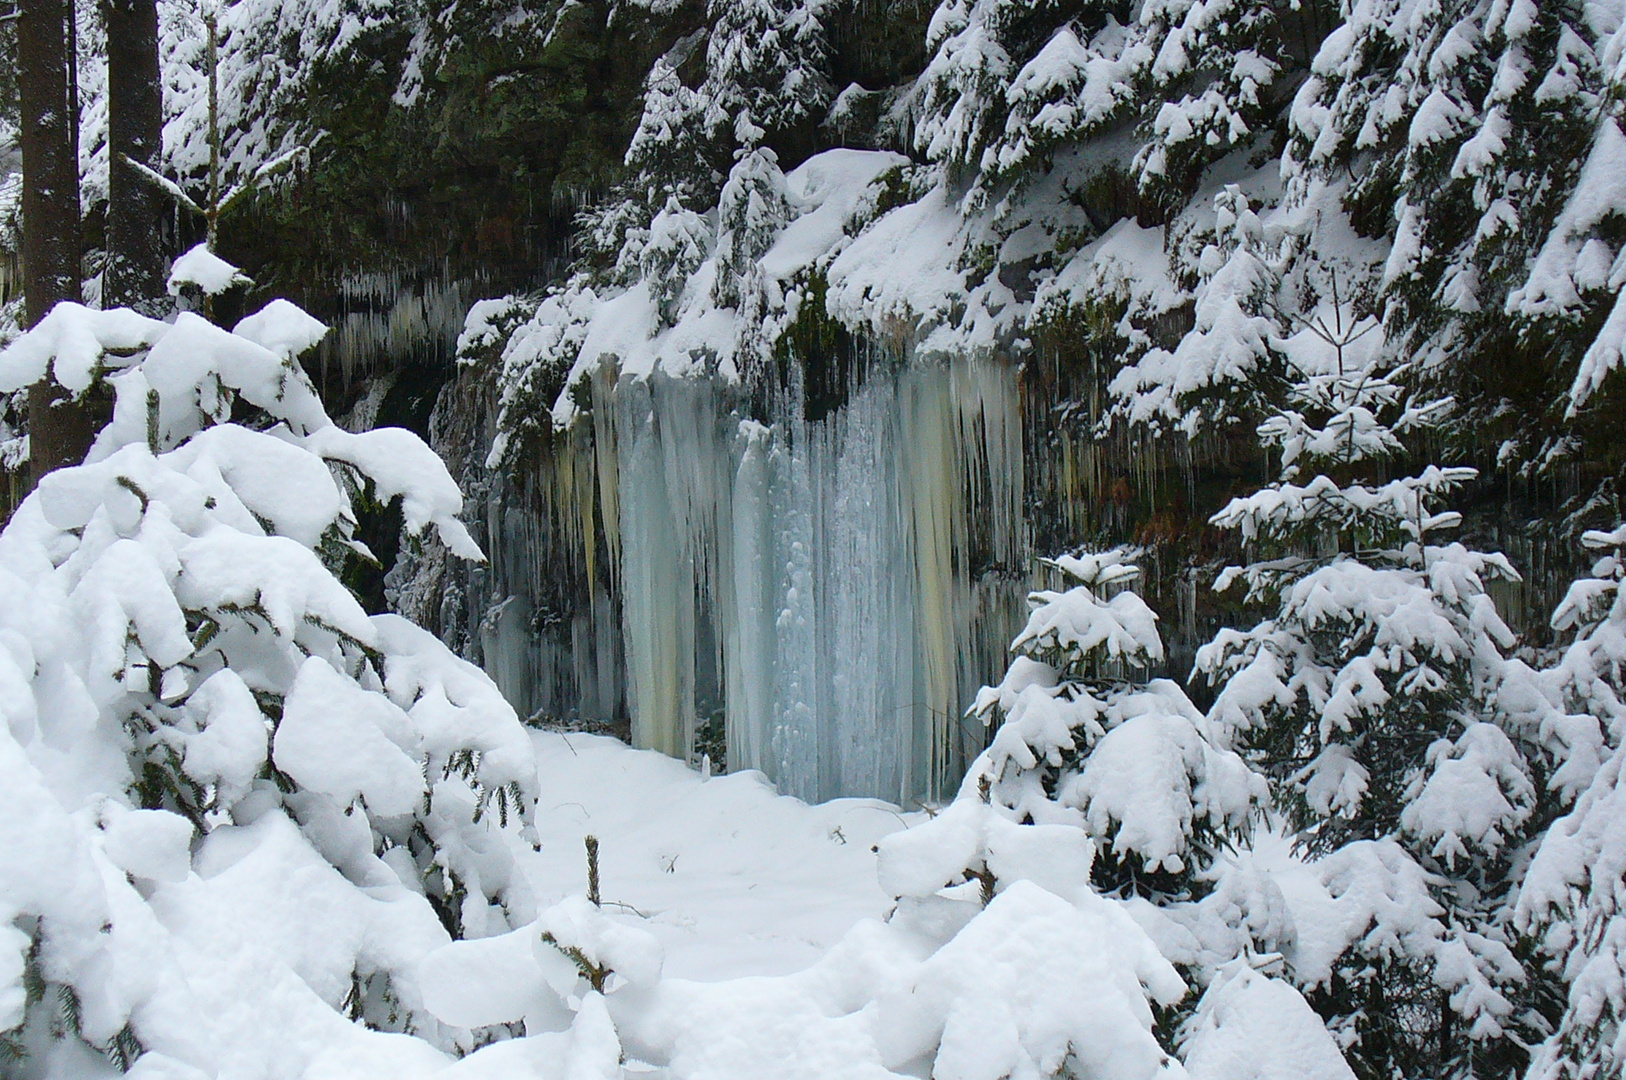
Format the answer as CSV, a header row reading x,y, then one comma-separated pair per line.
x,y
135,260
59,429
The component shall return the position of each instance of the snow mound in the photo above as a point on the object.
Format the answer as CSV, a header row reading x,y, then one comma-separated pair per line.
x,y
1249,1026
207,271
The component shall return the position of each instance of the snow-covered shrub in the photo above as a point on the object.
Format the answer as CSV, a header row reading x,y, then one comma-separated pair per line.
x,y
1086,740
1484,142
182,673
1096,774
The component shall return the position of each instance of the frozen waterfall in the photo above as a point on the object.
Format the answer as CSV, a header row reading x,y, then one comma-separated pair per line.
x,y
820,593
837,587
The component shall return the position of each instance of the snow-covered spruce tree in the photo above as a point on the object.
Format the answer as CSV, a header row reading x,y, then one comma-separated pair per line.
x,y
1579,265
1087,740
674,249
1462,128
1369,693
272,57
766,76
1210,88
1591,675
1011,83
1229,368
668,159
1110,790
177,655
1079,82
1574,894
976,48
751,211
767,67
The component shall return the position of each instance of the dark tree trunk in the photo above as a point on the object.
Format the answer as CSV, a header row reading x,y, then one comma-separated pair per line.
x,y
135,262
59,429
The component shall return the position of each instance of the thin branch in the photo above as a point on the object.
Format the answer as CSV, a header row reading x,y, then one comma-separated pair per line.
x,y
164,184
281,163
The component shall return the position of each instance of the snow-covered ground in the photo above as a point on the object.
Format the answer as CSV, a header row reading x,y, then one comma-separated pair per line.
x,y
732,878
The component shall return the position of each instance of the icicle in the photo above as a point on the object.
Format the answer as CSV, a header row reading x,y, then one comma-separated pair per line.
x,y
749,635
605,464
387,318
937,516
657,583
